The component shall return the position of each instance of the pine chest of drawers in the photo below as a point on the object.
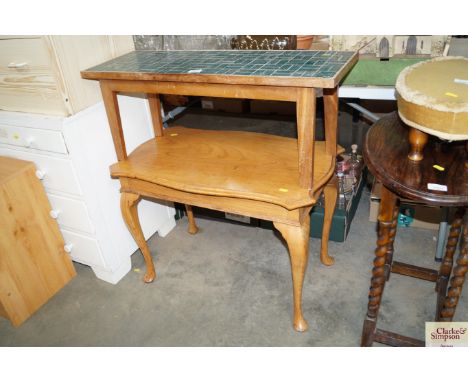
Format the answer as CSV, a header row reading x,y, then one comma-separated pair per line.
x,y
41,74
33,262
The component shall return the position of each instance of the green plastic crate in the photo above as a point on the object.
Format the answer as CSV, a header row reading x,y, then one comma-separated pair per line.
x,y
341,221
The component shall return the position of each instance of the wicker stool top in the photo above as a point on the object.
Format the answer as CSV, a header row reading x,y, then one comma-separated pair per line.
x,y
433,97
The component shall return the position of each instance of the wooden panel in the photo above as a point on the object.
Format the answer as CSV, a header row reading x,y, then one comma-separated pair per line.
x,y
414,271
28,51
10,167
394,339
226,163
27,81
273,93
33,263
252,208
50,83
76,53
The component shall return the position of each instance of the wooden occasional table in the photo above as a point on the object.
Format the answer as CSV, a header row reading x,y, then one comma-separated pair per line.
x,y
258,175
385,152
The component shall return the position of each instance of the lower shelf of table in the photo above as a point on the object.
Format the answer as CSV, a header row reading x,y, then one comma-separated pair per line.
x,y
233,164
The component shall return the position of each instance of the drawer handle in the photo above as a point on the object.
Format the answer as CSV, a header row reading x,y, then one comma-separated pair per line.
x,y
19,65
68,247
40,174
54,214
29,141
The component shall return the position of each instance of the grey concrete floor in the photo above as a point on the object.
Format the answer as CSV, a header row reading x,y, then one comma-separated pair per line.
x,y
230,285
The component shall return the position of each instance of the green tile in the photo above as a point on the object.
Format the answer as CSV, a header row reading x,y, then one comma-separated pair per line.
x,y
291,63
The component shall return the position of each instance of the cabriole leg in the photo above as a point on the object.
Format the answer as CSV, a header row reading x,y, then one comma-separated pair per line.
x,y
330,193
193,229
297,239
129,207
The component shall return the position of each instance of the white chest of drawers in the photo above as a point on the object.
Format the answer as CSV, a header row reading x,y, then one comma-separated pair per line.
x,y
52,124
84,199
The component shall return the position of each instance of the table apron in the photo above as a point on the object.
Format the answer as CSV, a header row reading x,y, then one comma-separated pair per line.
x,y
273,93
247,207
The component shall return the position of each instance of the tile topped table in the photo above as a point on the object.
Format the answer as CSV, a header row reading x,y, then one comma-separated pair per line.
x,y
285,67
258,175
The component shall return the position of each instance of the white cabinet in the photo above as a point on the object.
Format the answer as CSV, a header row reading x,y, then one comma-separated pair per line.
x,y
57,120
84,199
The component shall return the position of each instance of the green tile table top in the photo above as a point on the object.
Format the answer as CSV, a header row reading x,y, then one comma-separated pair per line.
x,y
278,67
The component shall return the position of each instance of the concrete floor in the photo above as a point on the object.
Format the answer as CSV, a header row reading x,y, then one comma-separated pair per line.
x,y
230,285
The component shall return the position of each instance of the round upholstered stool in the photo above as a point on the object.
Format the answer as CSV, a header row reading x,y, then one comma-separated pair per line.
x,y
439,179
433,99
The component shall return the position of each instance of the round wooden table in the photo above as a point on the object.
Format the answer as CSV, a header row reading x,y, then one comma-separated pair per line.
x,y
439,179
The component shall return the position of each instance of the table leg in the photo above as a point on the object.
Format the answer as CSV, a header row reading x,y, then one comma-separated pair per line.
x,y
297,238
193,229
129,207
330,193
456,282
154,103
305,111
466,157
385,221
442,233
391,240
447,261
330,103
356,113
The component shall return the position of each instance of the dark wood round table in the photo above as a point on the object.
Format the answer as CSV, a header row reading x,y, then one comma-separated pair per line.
x,y
439,179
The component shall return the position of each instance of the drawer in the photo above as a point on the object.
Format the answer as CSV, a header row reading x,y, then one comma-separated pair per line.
x,y
30,51
70,213
27,80
39,139
82,249
55,173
